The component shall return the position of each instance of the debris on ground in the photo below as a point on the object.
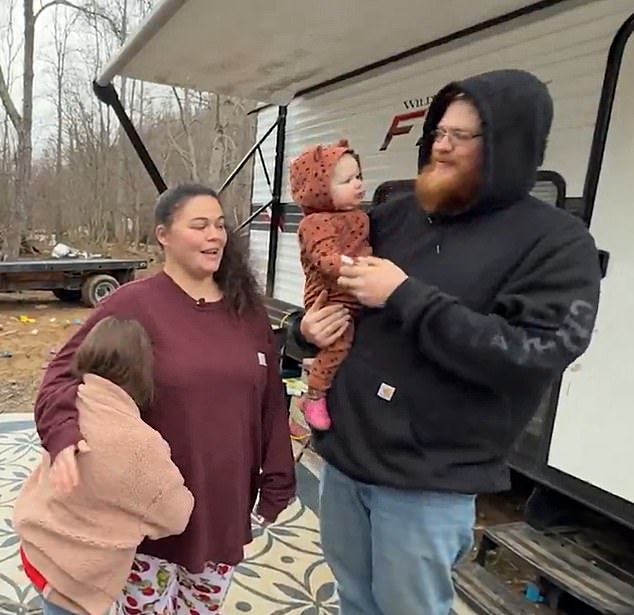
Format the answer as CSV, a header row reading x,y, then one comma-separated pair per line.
x,y
28,344
61,250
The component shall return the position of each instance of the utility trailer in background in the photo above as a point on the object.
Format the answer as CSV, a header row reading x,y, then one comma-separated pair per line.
x,y
366,71
75,280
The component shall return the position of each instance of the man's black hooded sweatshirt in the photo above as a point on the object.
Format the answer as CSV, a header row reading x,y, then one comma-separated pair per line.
x,y
499,301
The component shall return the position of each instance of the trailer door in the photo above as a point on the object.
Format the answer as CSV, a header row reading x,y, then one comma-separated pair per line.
x,y
594,424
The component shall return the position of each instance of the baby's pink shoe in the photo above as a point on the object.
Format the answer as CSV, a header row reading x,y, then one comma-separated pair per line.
x,y
316,413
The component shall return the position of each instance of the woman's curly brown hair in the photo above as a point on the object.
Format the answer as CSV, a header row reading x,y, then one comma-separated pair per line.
x,y
234,276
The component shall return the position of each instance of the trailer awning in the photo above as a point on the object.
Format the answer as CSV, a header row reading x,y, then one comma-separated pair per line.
x,y
269,51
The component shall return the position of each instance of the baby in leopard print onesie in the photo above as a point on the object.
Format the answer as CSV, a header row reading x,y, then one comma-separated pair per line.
x,y
326,183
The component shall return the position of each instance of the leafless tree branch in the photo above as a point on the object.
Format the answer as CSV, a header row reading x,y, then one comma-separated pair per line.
x,y
5,97
90,12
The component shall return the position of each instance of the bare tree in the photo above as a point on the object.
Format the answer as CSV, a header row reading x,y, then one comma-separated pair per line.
x,y
23,121
188,120
62,27
213,134
7,140
87,182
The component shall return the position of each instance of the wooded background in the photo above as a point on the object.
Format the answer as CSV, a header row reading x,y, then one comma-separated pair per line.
x,y
83,184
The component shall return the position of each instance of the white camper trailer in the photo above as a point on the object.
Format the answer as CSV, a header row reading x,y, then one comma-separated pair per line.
x,y
366,70
381,112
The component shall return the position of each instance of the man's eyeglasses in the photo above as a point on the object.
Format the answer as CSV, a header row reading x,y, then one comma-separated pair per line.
x,y
455,135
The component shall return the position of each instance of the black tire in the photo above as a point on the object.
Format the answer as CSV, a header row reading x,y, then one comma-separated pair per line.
x,y
67,295
97,287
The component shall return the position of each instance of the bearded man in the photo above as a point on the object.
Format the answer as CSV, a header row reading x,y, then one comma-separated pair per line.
x,y
478,297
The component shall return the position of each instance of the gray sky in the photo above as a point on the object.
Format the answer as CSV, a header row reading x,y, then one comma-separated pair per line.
x,y
80,62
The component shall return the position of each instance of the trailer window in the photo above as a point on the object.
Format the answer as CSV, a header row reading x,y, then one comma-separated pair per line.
x,y
389,189
550,187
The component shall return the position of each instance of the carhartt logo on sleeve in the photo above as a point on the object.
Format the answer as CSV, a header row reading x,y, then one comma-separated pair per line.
x,y
262,359
386,391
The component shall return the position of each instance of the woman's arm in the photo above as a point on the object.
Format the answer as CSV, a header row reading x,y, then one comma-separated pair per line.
x,y
169,512
55,410
56,416
277,480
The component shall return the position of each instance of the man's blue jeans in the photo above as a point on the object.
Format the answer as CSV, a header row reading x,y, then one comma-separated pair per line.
x,y
392,551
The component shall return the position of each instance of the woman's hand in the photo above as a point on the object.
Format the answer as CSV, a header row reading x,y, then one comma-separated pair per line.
x,y
323,324
64,474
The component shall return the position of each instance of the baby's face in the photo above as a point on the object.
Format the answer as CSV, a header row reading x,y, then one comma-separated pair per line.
x,y
346,187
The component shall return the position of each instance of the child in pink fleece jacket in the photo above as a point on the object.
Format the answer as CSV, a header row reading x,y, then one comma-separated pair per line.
x,y
78,549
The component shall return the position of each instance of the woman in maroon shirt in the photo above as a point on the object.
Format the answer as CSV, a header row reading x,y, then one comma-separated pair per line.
x,y
218,402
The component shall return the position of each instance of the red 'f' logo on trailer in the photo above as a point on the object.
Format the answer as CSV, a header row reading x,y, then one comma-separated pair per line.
x,y
396,128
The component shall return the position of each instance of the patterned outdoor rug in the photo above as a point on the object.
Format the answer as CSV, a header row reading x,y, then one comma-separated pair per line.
x,y
284,572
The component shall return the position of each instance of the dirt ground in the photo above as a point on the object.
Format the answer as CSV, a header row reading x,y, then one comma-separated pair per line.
x,y
33,327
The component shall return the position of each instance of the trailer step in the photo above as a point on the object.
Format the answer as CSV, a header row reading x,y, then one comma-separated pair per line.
x,y
486,594
558,565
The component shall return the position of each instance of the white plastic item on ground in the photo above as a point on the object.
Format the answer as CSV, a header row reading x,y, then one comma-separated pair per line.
x,y
61,250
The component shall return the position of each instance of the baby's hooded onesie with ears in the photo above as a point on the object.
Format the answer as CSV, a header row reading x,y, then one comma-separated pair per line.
x,y
325,235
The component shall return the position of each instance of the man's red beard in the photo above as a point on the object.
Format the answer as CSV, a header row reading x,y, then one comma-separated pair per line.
x,y
443,192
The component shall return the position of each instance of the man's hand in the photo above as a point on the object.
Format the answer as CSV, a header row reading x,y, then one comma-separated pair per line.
x,y
64,474
371,280
322,324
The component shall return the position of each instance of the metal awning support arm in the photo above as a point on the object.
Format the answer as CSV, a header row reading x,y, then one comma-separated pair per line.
x,y
108,95
253,216
247,157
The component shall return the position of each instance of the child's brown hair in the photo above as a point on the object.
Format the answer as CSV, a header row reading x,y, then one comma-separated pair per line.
x,y
119,351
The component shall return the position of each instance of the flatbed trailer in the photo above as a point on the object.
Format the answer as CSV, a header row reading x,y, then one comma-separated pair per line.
x,y
81,280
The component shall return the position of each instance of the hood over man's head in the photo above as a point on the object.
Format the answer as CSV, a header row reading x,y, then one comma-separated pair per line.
x,y
483,141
